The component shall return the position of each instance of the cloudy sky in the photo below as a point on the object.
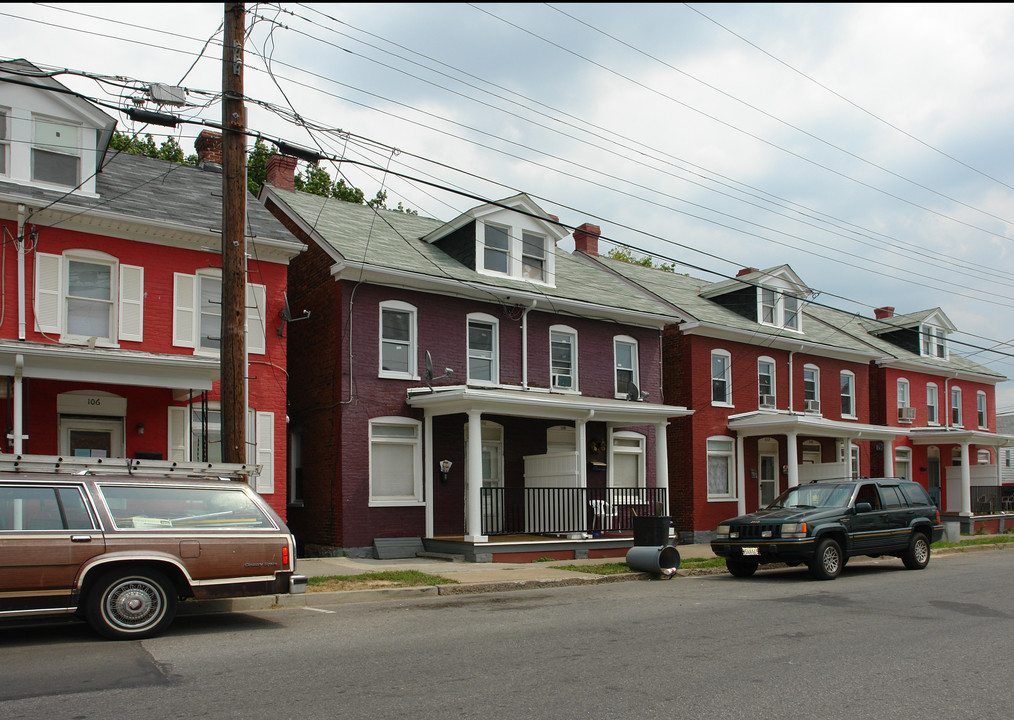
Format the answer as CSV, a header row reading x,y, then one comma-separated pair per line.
x,y
867,146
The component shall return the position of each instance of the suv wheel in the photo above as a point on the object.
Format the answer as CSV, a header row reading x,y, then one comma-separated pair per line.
x,y
917,556
126,604
828,561
741,568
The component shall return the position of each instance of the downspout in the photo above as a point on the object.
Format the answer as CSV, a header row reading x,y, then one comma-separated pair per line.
x,y
524,344
20,246
791,403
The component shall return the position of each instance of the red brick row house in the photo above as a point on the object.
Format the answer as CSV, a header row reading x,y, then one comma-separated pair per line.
x,y
784,390
466,384
111,290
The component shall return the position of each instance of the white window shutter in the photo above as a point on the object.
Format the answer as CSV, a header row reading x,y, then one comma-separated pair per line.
x,y
179,434
48,293
131,302
184,310
266,452
256,310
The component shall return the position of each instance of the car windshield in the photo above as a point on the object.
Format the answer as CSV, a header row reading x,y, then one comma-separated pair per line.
x,y
814,496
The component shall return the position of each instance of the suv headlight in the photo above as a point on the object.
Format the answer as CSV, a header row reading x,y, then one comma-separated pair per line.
x,y
794,530
722,532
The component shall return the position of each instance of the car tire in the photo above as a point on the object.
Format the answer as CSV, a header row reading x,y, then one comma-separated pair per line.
x,y
131,604
741,568
917,556
828,561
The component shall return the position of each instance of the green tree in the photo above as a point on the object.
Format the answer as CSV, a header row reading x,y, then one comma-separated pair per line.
x,y
627,255
169,149
257,165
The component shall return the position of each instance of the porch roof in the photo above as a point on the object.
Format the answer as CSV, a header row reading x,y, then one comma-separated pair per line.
x,y
947,436
780,423
539,404
109,365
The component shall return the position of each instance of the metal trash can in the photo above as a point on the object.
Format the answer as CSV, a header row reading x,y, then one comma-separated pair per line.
x,y
663,561
651,530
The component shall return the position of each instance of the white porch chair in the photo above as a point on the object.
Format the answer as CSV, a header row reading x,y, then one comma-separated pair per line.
x,y
604,513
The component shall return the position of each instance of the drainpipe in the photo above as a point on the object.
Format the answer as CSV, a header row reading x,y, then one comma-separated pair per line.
x,y
20,246
791,403
524,344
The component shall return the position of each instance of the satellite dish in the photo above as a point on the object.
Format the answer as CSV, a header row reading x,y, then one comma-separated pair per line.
x,y
633,393
428,373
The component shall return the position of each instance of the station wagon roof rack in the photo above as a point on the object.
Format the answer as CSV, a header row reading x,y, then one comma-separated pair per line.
x,y
125,466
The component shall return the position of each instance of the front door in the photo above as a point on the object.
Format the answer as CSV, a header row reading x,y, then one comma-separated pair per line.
x,y
768,481
933,466
91,437
492,477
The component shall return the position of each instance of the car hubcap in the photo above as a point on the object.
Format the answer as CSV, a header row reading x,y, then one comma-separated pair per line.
x,y
133,604
921,551
831,561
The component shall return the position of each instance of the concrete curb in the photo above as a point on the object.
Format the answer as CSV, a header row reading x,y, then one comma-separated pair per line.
x,y
345,597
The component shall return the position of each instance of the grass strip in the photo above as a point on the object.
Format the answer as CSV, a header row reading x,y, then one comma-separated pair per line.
x,y
386,578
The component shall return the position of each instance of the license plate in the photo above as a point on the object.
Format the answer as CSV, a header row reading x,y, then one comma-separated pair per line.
x,y
751,551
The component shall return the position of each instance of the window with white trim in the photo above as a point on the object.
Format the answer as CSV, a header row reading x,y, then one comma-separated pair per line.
x,y
903,463
932,404
980,405
197,313
811,388
5,145
778,309
766,383
56,153
88,296
395,461
514,251
906,413
854,453
398,355
934,341
721,475
563,357
626,366
983,457
626,462
533,256
721,378
956,406
848,394
496,254
483,349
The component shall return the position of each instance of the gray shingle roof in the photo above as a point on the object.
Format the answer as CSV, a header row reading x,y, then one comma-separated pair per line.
x,y
391,240
155,190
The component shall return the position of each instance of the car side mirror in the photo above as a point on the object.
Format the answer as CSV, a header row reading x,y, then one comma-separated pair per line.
x,y
863,507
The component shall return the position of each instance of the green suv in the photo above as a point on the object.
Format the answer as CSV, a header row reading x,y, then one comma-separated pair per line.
x,y
824,523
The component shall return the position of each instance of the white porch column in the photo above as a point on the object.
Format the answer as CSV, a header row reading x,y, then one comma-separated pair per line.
x,y
19,424
580,427
740,476
966,482
473,488
888,458
846,444
792,458
662,463
428,461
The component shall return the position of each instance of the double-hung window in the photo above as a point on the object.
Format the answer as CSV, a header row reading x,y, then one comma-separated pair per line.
x,y
533,256
779,309
934,341
906,413
56,153
483,351
766,383
768,306
398,340
848,394
496,250
956,406
721,478
197,313
811,388
721,384
88,296
932,405
563,357
980,405
790,311
395,461
625,363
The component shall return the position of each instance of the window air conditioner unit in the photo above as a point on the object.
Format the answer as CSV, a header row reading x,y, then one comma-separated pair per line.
x,y
563,381
906,414
811,406
767,401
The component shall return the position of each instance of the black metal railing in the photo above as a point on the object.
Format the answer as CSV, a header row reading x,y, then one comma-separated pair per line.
x,y
538,511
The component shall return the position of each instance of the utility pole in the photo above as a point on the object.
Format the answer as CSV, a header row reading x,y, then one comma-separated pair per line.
x,y
233,348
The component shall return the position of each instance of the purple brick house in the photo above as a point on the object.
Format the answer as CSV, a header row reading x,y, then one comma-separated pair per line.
x,y
465,387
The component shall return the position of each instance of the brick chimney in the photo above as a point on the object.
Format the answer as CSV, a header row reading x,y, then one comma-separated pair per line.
x,y
882,313
586,239
281,172
209,149
746,271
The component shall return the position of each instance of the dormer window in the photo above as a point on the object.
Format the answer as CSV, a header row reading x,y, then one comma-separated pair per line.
x,y
533,257
496,254
934,342
56,153
515,252
778,309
